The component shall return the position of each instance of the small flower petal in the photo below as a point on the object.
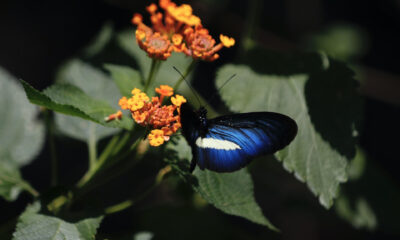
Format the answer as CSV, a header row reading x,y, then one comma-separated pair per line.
x,y
227,41
156,137
165,90
177,100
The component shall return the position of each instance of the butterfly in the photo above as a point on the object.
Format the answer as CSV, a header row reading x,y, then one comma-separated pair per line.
x,y
230,142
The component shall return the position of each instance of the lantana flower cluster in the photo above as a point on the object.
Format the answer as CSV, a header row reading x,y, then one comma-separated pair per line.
x,y
164,120
176,29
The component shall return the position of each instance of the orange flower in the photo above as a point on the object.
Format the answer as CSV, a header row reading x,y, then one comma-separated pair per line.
x,y
153,114
177,29
114,116
165,90
200,45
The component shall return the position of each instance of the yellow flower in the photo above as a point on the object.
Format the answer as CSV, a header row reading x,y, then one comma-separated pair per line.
x,y
152,114
178,100
226,41
156,137
184,13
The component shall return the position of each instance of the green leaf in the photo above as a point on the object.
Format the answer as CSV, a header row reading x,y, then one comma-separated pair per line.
x,y
21,138
11,183
318,100
70,100
353,42
96,85
39,98
231,193
21,135
100,41
34,226
359,214
126,78
370,199
143,236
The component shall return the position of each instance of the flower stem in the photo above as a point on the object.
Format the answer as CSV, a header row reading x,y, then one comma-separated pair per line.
x,y
253,14
128,203
27,187
52,146
152,73
189,69
111,156
92,146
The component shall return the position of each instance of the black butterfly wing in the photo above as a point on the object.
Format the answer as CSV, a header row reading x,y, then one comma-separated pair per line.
x,y
231,141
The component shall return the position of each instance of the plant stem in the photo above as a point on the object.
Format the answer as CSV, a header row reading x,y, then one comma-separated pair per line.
x,y
128,203
92,146
189,69
253,14
115,157
108,149
53,155
152,73
27,187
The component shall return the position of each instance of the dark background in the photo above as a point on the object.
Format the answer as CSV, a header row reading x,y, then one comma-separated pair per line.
x,y
37,36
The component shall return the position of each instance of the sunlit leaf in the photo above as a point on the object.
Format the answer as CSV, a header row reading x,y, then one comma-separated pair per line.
x,y
319,153
34,226
231,193
70,100
21,137
95,84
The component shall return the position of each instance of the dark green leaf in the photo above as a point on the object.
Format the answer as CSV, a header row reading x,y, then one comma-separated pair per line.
x,y
126,78
21,137
70,100
34,226
39,98
369,200
232,193
323,103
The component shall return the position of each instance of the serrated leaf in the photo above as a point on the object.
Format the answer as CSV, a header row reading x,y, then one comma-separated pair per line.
x,y
316,156
21,137
70,100
231,193
34,226
95,84
125,77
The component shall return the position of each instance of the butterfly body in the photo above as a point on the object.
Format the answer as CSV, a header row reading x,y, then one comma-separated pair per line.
x,y
228,143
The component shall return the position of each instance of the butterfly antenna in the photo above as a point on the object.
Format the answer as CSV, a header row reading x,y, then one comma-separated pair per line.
x,y
212,98
190,86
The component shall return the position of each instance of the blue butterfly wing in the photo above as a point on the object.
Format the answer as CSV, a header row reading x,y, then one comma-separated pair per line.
x,y
232,141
